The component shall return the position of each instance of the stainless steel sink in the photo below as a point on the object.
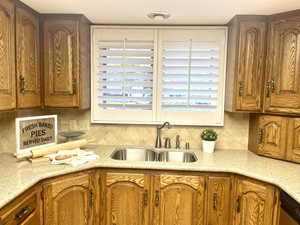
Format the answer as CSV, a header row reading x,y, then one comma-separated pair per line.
x,y
172,156
140,154
135,154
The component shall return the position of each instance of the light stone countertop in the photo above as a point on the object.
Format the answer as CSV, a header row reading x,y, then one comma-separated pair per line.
x,y
16,177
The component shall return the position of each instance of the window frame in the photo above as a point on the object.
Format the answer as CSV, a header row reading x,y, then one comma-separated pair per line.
x,y
157,74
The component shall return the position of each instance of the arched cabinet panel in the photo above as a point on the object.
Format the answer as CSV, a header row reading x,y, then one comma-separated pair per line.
x,y
282,93
28,59
7,56
69,200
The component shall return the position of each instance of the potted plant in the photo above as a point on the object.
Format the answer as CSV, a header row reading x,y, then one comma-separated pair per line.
x,y
209,138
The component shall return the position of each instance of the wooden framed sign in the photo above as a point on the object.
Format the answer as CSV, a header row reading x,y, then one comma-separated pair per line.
x,y
35,132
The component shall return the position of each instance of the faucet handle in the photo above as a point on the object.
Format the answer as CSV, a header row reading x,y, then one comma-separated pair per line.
x,y
177,142
187,145
167,142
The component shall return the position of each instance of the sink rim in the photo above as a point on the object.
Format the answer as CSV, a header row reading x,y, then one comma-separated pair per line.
x,y
157,153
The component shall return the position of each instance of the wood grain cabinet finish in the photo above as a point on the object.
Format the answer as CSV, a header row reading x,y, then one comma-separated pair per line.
x,y
7,55
66,56
267,135
124,199
27,59
245,64
255,203
24,210
293,140
219,200
282,92
69,200
179,199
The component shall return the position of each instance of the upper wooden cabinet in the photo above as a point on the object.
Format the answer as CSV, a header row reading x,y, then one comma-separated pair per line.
x,y
219,200
245,63
69,200
66,56
27,58
179,200
267,135
7,55
255,203
125,199
282,92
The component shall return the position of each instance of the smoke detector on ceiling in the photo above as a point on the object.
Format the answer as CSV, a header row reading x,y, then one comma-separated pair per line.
x,y
159,15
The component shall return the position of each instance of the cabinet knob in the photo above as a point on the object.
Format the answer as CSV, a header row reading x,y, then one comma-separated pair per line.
x,y
23,212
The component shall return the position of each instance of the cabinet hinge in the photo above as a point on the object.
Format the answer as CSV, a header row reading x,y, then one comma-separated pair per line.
x,y
91,199
74,86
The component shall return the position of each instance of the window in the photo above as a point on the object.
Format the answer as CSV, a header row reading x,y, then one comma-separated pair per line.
x,y
150,75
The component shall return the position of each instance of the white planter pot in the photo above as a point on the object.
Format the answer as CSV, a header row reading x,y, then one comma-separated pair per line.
x,y
208,146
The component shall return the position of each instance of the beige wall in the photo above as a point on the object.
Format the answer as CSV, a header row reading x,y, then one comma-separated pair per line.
x,y
234,135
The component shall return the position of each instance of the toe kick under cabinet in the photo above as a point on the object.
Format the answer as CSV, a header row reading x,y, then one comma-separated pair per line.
x,y
275,136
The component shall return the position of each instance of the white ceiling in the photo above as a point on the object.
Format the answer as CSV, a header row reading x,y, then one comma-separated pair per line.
x,y
182,11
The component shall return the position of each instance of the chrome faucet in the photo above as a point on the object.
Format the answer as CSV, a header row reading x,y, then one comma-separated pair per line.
x,y
158,136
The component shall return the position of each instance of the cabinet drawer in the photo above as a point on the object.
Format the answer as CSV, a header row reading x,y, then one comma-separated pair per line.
x,y
20,211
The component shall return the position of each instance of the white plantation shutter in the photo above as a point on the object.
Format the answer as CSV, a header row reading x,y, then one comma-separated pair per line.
x,y
192,76
123,67
151,75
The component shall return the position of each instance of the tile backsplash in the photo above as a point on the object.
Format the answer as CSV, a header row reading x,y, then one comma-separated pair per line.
x,y
234,135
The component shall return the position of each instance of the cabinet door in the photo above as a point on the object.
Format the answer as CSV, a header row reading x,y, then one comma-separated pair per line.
x,y
61,64
178,200
219,200
69,201
293,142
125,199
28,63
254,203
250,68
7,56
283,82
272,136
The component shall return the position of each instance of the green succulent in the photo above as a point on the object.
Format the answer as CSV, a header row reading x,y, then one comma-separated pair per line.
x,y
209,135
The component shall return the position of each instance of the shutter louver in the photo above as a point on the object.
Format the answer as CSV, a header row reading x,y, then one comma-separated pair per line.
x,y
125,74
190,76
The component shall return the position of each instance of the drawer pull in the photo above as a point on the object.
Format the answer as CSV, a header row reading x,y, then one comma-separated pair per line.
x,y
23,212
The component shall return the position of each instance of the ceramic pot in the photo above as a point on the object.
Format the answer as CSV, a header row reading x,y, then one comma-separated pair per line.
x,y
208,146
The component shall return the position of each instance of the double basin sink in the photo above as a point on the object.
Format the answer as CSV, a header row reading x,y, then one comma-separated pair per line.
x,y
149,155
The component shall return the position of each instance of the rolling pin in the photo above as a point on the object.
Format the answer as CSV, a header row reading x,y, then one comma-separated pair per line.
x,y
53,149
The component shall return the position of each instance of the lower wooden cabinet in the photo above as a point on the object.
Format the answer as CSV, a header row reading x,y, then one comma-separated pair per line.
x,y
69,200
219,200
255,203
24,210
124,199
178,199
133,197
